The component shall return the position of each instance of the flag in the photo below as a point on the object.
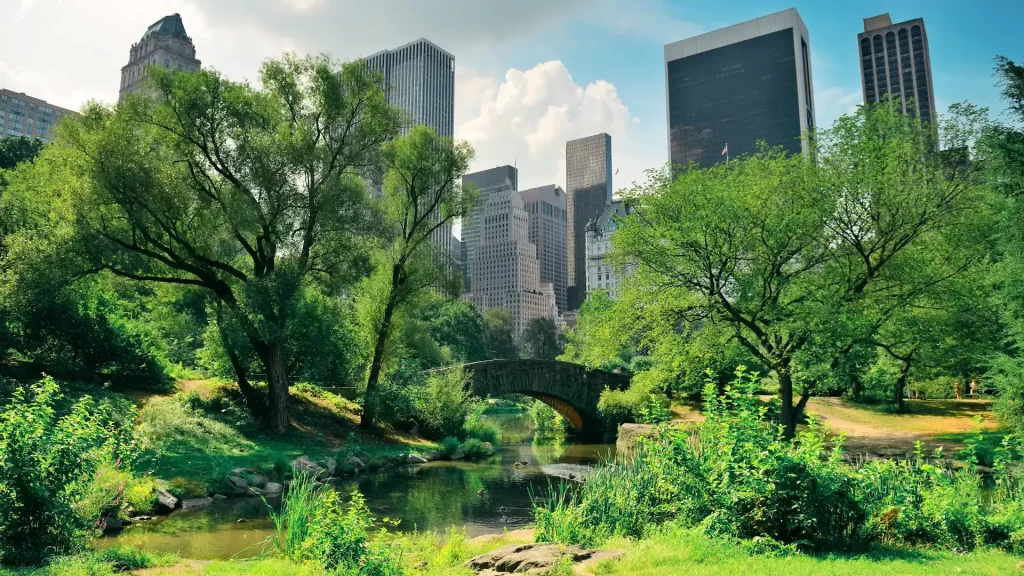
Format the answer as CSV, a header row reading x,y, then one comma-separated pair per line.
x,y
725,150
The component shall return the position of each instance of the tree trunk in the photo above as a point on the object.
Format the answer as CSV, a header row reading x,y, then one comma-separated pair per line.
x,y
255,401
369,418
901,383
277,382
789,414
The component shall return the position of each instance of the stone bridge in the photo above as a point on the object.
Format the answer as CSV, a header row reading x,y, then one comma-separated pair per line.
x,y
571,389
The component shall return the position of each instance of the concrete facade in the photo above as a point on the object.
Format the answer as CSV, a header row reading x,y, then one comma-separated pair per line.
x,y
588,188
600,273
488,182
506,273
420,79
23,115
165,44
546,210
732,87
895,61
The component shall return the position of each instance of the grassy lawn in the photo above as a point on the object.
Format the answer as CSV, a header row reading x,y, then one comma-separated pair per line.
x,y
677,552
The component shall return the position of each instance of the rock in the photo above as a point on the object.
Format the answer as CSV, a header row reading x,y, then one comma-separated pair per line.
x,y
219,497
630,434
533,558
356,464
165,501
112,524
432,455
272,489
984,470
415,458
241,521
196,503
258,480
238,485
142,518
331,465
303,464
240,471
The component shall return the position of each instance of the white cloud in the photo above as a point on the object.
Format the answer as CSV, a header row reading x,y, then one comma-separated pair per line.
x,y
527,117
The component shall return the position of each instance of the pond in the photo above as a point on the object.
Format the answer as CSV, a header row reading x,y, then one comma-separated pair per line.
x,y
482,497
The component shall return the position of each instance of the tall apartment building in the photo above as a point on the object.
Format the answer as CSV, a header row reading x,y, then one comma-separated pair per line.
x,y
730,88
894,60
507,271
588,188
488,182
546,211
23,115
166,44
600,273
420,79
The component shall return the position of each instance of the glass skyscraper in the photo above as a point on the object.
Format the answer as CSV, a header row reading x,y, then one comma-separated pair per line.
x,y
894,60
728,90
588,189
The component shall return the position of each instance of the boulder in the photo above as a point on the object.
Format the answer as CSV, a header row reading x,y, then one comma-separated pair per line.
x,y
165,501
330,465
356,464
196,503
303,464
630,434
415,458
112,524
537,558
258,480
238,485
272,489
240,471
219,497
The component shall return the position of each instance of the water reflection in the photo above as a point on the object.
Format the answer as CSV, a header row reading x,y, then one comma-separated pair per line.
x,y
485,497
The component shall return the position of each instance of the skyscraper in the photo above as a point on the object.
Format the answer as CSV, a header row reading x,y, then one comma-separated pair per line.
x,y
507,272
728,89
488,182
420,79
894,59
546,211
588,189
23,115
166,44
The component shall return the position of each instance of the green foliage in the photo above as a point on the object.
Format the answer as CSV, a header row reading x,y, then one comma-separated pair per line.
x,y
480,428
499,334
444,403
642,402
51,498
546,420
541,340
449,446
15,150
314,526
172,424
475,449
457,326
126,558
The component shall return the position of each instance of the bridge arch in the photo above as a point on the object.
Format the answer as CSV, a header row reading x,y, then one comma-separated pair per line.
x,y
571,389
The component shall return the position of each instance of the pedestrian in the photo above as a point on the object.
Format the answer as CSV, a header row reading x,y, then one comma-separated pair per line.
x,y
957,390
974,389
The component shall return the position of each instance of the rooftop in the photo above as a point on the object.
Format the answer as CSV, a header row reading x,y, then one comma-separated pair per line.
x,y
167,26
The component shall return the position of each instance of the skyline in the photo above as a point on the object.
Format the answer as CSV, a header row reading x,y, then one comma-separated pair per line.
x,y
529,77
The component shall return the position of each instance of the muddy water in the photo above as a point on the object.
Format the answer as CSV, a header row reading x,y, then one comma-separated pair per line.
x,y
483,497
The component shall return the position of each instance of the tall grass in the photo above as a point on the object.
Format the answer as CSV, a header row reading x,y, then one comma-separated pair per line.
x,y
298,508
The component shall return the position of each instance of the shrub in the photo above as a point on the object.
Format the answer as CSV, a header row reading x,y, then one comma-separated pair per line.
x,y
314,526
184,488
449,446
477,427
49,503
126,558
642,402
444,403
474,449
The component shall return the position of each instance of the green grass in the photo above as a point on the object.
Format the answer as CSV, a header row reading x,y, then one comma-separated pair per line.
x,y
677,551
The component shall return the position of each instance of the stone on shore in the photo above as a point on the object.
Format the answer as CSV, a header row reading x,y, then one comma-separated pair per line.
x,y
303,464
165,501
538,558
196,503
630,434
415,458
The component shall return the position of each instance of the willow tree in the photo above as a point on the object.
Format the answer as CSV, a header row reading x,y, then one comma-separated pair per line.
x,y
250,193
423,195
800,258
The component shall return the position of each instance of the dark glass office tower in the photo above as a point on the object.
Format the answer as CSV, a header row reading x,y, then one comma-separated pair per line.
x,y
729,89
588,189
894,60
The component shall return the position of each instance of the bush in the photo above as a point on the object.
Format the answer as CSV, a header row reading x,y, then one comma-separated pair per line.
x,y
474,449
643,402
443,404
184,488
314,526
477,427
49,500
449,446
126,558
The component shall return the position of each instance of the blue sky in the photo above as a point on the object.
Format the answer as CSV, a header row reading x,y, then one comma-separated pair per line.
x,y
530,74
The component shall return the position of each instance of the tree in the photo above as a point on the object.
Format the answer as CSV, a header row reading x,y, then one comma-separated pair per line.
x,y
249,193
541,340
786,252
500,336
422,196
15,150
457,325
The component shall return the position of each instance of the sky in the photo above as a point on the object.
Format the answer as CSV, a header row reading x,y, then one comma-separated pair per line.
x,y
530,74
